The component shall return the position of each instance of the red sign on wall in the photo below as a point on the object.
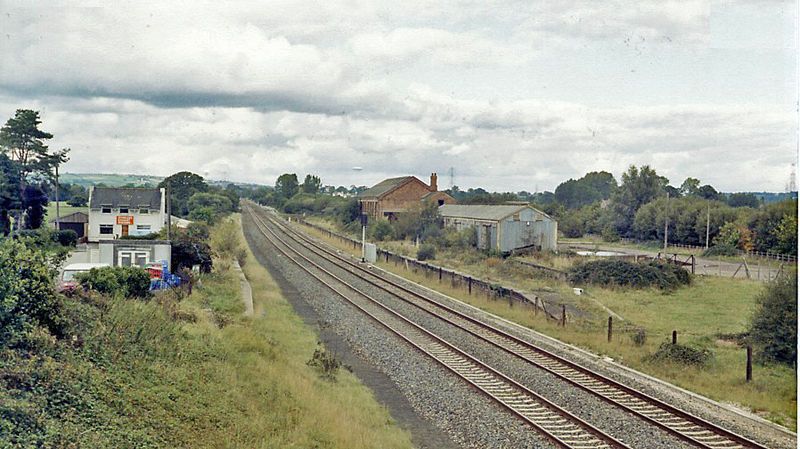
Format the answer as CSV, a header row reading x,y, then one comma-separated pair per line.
x,y
124,219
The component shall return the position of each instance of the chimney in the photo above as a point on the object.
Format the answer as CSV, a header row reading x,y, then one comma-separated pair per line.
x,y
434,187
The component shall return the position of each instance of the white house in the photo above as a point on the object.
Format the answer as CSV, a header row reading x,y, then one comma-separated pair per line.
x,y
118,212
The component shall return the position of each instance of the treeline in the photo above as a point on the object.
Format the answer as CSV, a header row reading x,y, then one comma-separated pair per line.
x,y
638,205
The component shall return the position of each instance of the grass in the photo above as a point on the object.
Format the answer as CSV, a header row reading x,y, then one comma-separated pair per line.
x,y
711,308
64,209
192,373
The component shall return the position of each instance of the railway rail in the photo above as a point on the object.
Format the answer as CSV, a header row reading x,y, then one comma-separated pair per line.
x,y
556,424
679,423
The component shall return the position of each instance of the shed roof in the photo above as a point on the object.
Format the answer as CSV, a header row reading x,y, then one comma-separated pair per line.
x,y
75,217
123,196
384,187
482,211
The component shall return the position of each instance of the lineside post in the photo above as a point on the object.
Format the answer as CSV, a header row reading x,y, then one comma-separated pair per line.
x,y
674,337
563,315
610,328
749,373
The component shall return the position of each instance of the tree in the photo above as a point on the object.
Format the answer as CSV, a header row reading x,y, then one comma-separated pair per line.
x,y
219,203
312,184
774,324
34,201
78,200
287,185
743,200
182,186
708,192
22,142
639,187
690,187
593,187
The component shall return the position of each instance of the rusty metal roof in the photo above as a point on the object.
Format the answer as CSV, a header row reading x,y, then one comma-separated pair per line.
x,y
482,211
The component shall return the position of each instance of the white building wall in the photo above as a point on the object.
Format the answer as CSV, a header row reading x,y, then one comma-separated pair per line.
x,y
156,219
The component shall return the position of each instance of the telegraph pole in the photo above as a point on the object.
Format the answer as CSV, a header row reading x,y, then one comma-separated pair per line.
x,y
666,226
58,213
708,223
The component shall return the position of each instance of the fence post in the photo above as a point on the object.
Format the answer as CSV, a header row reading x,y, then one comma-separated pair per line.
x,y
469,284
535,305
674,337
563,315
440,274
749,373
610,327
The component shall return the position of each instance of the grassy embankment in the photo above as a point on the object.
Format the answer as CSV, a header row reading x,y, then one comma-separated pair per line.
x,y
194,373
63,208
703,314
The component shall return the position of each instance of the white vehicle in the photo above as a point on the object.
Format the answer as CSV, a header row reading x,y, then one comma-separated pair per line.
x,y
67,279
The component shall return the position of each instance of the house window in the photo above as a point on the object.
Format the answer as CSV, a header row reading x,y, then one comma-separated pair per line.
x,y
144,211
106,209
143,228
133,258
123,210
106,229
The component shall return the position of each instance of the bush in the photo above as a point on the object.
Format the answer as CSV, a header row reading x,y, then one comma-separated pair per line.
x,y
326,364
381,230
27,298
683,354
426,251
774,324
721,249
639,336
133,282
66,237
612,272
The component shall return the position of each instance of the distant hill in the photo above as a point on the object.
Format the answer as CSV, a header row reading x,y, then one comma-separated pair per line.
x,y
119,180
110,180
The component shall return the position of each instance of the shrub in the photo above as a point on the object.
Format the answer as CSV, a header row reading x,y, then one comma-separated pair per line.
x,y
721,249
611,272
683,354
325,363
381,230
66,237
27,298
639,336
426,251
123,281
774,324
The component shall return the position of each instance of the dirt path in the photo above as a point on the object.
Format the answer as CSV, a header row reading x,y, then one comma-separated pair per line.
x,y
247,291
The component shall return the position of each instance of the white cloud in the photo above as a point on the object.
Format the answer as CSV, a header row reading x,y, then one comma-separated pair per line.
x,y
246,92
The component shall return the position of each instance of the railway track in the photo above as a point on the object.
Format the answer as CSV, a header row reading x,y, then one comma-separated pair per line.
x,y
556,424
679,423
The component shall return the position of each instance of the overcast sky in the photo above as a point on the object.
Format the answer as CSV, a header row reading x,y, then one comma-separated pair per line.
x,y
511,95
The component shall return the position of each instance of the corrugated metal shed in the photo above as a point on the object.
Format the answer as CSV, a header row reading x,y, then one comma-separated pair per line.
x,y
504,227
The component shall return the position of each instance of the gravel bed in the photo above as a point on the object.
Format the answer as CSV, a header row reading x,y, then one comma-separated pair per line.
x,y
739,423
618,423
469,418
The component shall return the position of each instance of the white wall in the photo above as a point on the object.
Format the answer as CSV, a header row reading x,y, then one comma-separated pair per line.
x,y
157,219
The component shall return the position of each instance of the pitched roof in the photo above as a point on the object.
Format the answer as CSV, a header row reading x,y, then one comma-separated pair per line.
x,y
131,197
482,211
384,187
75,217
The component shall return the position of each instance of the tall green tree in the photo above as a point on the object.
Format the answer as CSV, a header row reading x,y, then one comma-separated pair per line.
x,y
182,186
287,185
774,324
23,143
312,184
592,187
639,186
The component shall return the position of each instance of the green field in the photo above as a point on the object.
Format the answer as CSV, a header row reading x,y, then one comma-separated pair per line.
x,y
703,314
64,209
110,180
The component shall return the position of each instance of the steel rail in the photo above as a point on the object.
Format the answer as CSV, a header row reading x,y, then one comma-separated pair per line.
x,y
558,425
690,428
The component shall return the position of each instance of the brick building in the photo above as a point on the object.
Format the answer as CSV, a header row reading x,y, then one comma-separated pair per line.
x,y
395,195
